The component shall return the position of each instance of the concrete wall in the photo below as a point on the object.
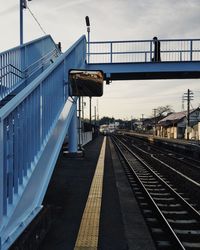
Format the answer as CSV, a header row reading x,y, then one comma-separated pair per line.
x,y
172,132
194,132
86,137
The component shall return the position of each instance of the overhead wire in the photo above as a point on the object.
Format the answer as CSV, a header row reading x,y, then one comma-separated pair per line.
x,y
32,14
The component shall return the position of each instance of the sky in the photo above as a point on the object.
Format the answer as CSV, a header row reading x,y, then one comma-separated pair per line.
x,y
113,20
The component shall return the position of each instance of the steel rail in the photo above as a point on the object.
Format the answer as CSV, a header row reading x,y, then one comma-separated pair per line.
x,y
175,239
166,165
174,155
169,153
183,202
187,160
157,176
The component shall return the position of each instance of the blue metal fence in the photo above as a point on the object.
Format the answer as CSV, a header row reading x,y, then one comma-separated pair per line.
x,y
25,61
142,51
26,123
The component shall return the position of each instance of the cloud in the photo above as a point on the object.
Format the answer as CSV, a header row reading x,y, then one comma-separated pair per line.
x,y
8,10
64,5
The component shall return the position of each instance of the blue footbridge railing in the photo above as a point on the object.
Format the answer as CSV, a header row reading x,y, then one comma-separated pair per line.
x,y
33,126
145,59
20,65
136,51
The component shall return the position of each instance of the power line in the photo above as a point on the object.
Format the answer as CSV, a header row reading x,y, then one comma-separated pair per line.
x,y
36,20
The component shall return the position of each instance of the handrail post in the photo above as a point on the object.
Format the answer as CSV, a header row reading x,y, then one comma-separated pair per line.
x,y
88,31
150,51
1,173
191,50
21,22
111,48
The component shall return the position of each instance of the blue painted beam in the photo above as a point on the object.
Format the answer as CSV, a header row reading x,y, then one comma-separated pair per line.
x,y
148,70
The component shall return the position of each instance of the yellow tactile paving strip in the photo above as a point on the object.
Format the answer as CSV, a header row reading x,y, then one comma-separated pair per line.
x,y
89,229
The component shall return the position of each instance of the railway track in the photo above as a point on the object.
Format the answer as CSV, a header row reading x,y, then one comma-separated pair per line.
x,y
162,150
185,166
173,222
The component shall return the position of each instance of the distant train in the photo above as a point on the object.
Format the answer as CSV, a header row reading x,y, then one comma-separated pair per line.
x,y
108,129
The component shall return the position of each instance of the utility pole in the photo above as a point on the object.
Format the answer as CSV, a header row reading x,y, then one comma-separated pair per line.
x,y
83,106
142,121
154,114
95,114
90,110
188,97
80,123
23,5
97,111
131,122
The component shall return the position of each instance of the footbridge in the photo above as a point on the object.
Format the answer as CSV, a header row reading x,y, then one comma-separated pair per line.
x,y
37,112
131,60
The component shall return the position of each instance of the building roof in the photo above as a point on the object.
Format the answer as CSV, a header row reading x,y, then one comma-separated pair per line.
x,y
176,116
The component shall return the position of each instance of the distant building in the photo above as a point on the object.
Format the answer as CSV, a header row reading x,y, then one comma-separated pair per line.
x,y
109,128
174,125
137,125
148,124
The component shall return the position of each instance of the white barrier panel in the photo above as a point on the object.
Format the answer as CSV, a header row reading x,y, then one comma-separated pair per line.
x,y
86,137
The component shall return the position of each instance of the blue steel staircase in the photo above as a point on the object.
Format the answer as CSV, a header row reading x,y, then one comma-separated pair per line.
x,y
20,65
36,110
35,116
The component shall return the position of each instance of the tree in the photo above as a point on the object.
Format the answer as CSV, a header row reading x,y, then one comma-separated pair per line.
x,y
106,120
162,111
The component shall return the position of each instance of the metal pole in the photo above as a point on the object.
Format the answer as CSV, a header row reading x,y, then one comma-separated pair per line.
x,y
131,123
188,112
79,133
88,31
95,114
191,50
82,109
188,96
142,121
2,142
87,20
90,110
21,21
154,121
73,134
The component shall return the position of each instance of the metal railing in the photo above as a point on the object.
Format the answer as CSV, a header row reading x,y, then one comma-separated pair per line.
x,y
23,60
143,51
26,125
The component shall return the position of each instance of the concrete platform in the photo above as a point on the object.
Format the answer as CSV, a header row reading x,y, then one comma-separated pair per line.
x,y
189,147
121,225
